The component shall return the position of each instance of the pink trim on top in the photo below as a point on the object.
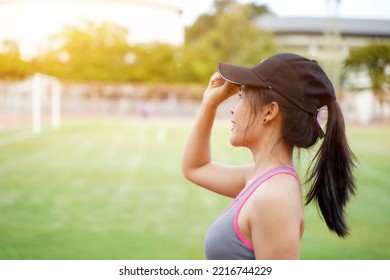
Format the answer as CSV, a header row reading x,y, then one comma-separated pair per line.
x,y
249,184
235,219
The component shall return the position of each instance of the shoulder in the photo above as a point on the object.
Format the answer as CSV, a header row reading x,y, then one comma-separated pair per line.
x,y
278,197
277,188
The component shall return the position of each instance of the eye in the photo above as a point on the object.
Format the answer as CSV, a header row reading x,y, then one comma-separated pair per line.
x,y
241,92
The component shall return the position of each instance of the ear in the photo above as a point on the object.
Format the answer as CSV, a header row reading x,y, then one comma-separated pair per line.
x,y
270,112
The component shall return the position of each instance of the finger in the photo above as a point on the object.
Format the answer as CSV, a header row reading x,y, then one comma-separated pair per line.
x,y
233,89
216,80
212,78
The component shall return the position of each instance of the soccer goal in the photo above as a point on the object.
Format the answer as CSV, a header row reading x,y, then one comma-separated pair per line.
x,y
30,101
44,85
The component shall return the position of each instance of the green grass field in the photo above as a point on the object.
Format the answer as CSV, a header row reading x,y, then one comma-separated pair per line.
x,y
113,189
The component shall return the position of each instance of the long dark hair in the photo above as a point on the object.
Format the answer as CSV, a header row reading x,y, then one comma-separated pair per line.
x,y
331,172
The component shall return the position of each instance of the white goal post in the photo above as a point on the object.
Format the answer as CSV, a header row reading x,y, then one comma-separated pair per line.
x,y
44,84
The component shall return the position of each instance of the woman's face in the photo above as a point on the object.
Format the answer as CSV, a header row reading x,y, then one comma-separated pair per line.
x,y
242,129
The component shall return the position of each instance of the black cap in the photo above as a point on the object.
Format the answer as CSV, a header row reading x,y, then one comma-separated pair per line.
x,y
302,81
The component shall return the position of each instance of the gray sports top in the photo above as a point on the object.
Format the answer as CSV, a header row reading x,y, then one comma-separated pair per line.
x,y
224,240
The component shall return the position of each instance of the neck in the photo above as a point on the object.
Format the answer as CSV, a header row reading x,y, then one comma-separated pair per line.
x,y
270,154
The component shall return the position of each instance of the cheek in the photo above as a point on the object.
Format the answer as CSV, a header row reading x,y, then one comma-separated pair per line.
x,y
246,129
243,138
241,113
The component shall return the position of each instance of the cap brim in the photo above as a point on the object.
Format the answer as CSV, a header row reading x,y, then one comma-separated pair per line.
x,y
240,75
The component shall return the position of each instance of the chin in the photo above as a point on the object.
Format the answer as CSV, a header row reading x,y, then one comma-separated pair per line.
x,y
236,142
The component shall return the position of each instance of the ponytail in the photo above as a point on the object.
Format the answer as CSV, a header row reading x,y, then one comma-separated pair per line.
x,y
331,174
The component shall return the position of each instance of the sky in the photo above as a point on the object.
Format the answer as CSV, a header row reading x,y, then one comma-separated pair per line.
x,y
371,9
30,23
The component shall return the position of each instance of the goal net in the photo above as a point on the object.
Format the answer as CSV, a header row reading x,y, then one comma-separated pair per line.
x,y
30,101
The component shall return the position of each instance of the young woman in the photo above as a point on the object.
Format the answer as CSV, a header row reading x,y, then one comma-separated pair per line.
x,y
279,99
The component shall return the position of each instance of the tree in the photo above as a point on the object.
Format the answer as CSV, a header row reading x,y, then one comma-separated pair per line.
x,y
11,65
92,51
229,35
252,9
154,62
100,51
375,60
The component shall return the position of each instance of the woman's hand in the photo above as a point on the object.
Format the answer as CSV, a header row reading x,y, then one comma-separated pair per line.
x,y
219,90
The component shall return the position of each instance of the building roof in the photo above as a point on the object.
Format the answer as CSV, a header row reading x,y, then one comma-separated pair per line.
x,y
317,25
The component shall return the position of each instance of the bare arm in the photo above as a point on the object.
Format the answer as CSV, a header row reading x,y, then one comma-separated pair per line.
x,y
197,165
